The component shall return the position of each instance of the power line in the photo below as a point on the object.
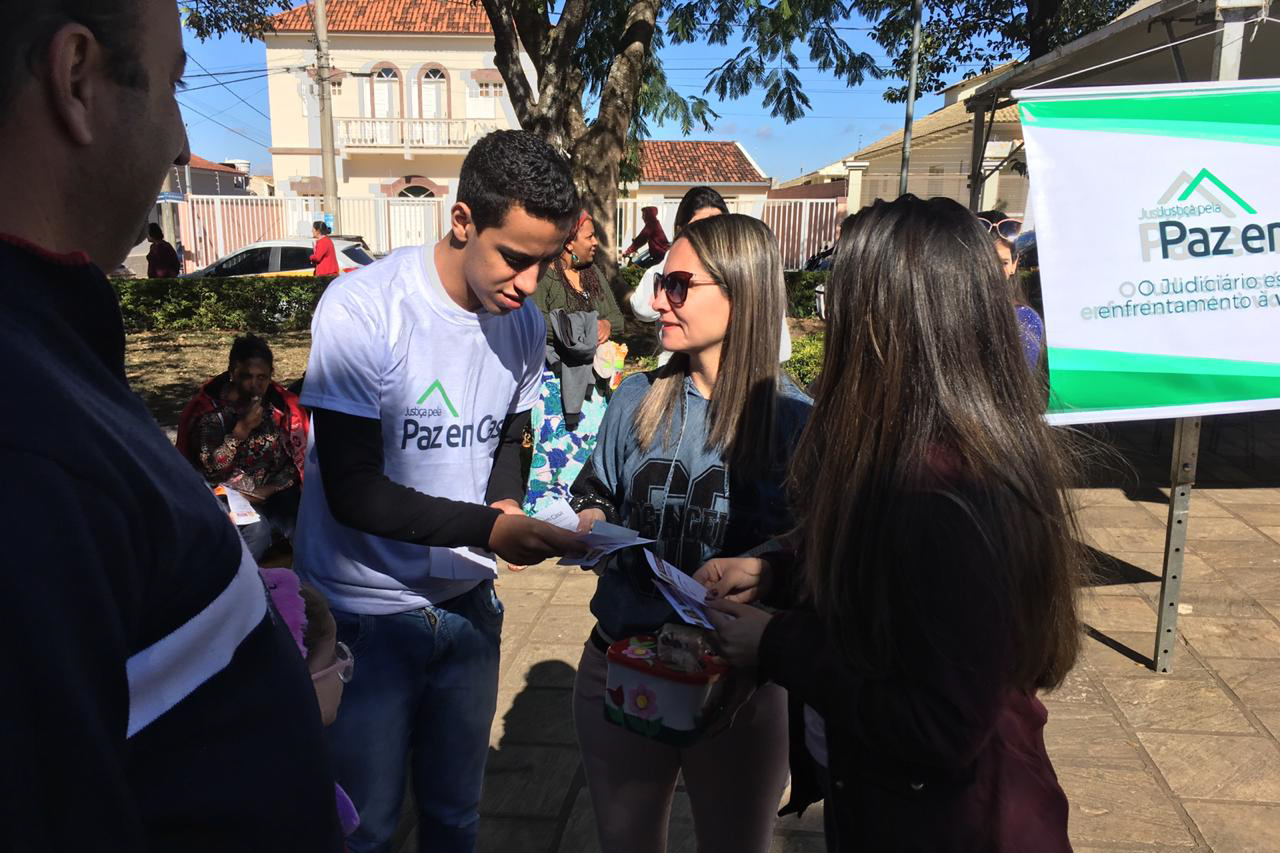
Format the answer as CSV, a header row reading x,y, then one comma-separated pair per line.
x,y
220,84
230,72
225,126
232,91
224,109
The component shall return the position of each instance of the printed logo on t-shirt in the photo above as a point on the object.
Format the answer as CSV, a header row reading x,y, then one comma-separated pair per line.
x,y
437,387
421,433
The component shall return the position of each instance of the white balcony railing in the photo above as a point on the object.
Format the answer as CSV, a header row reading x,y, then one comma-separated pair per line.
x,y
412,133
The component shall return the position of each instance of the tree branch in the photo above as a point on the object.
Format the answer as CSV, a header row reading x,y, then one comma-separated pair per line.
x,y
622,86
506,48
534,29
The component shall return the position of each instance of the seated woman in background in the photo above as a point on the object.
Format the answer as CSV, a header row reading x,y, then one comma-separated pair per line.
x,y
248,433
567,417
933,590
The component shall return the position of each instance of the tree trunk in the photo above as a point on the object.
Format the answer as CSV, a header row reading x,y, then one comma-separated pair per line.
x,y
554,110
596,161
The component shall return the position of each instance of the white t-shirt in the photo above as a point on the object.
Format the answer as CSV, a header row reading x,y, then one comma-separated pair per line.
x,y
387,342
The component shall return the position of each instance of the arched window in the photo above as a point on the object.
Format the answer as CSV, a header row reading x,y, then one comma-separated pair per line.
x,y
433,94
416,192
386,93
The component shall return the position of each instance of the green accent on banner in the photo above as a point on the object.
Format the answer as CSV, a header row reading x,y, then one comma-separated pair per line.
x,y
1083,380
1235,117
1206,175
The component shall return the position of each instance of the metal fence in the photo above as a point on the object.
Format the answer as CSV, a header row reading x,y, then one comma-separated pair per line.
x,y
211,227
803,226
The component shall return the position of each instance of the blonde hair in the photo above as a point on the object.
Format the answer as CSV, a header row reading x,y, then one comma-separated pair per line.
x,y
741,254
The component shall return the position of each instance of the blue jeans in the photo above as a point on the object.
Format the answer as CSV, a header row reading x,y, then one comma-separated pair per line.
x,y
422,698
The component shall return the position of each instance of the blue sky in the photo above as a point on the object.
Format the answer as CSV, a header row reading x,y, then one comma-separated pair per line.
x,y
231,123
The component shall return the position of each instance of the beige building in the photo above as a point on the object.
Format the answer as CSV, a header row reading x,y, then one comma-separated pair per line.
x,y
415,87
941,152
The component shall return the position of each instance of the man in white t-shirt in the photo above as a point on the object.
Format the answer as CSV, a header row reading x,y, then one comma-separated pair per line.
x,y
423,369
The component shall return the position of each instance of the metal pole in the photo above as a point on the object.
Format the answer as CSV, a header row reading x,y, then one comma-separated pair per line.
x,y
911,96
168,214
327,160
976,154
1228,50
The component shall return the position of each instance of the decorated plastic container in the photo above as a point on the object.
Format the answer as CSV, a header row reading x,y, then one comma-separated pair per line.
x,y
645,696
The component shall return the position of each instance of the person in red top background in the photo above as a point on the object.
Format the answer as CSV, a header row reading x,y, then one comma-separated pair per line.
x,y
162,259
652,234
324,257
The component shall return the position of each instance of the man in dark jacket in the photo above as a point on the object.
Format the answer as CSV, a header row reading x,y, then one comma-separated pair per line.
x,y
652,235
152,700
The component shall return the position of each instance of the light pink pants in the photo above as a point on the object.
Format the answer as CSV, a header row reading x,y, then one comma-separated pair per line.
x,y
734,779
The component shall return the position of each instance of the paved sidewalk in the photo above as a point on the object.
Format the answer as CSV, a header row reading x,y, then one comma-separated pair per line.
x,y
1182,762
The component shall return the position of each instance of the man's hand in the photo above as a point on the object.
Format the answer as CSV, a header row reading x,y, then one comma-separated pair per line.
x,y
739,628
249,421
588,517
740,579
519,539
508,507
603,329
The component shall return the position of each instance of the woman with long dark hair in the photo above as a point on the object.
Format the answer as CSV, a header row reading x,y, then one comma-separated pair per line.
x,y
936,566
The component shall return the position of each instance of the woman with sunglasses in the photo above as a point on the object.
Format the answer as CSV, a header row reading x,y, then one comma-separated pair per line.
x,y
692,455
1030,324
933,591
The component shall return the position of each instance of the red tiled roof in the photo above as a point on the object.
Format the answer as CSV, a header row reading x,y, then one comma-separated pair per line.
x,y
688,161
210,166
391,16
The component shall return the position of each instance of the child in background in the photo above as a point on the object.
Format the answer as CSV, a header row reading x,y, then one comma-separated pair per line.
x,y
331,664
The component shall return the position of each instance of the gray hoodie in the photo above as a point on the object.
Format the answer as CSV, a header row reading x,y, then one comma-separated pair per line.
x,y
709,509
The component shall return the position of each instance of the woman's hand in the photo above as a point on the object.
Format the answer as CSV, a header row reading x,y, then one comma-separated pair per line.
x,y
507,506
741,579
603,329
249,421
739,628
588,517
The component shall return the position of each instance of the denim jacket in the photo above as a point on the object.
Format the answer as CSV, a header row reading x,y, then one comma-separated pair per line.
x,y
681,493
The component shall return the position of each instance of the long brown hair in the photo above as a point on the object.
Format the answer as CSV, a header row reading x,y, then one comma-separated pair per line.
x,y
925,392
741,254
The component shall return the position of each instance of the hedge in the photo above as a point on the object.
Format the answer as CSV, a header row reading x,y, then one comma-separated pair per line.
x,y
275,304
806,360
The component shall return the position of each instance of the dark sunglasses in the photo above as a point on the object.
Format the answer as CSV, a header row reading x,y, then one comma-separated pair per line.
x,y
677,285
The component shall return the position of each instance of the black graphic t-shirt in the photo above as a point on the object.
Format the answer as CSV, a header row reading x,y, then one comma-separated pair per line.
x,y
684,495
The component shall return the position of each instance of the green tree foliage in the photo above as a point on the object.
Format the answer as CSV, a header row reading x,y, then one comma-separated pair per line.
x,y
249,18
974,36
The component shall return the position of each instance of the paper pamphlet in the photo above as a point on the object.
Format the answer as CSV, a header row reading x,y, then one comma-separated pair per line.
x,y
559,513
601,541
683,593
238,506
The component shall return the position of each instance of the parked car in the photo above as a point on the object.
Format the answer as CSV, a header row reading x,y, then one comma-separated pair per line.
x,y
282,257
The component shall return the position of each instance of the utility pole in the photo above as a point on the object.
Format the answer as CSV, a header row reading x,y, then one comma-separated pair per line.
x,y
327,156
168,221
918,12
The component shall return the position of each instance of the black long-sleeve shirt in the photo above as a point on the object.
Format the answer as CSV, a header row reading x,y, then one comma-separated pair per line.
x,y
363,497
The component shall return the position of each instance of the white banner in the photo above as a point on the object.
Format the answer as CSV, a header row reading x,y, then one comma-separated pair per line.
x,y
1157,214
